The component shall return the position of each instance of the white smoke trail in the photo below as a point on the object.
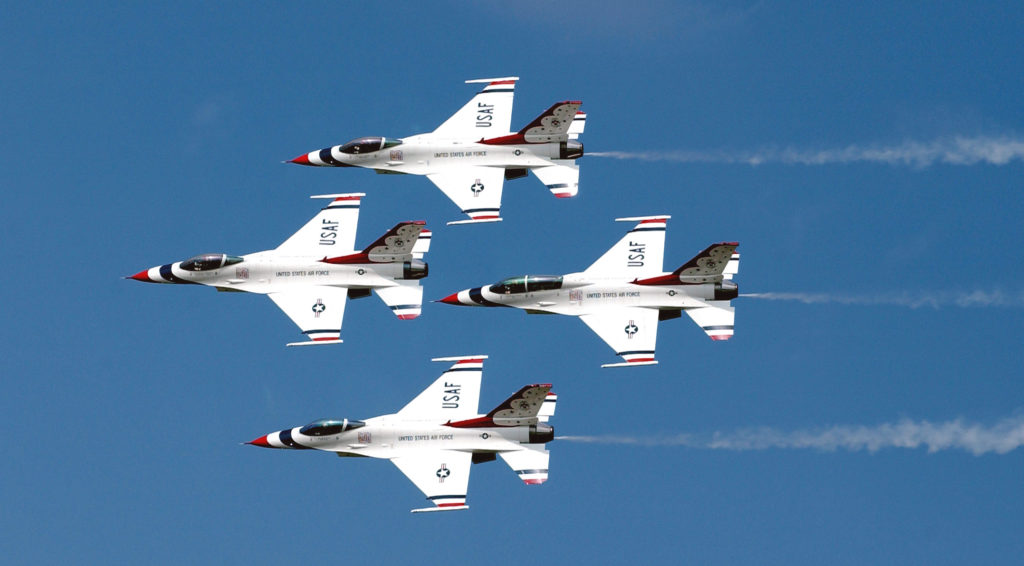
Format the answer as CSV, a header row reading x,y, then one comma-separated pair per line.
x,y
957,150
1002,437
931,299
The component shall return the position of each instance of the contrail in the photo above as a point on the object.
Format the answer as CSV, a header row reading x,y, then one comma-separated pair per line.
x,y
1002,437
931,299
957,150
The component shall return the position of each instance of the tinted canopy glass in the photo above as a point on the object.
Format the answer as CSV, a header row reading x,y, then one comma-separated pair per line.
x,y
206,262
368,145
327,427
527,283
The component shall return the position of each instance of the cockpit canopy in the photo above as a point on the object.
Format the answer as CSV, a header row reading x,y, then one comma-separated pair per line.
x,y
369,145
327,427
206,262
527,284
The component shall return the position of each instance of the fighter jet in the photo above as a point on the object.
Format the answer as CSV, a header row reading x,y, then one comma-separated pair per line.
x,y
310,275
437,436
625,293
473,152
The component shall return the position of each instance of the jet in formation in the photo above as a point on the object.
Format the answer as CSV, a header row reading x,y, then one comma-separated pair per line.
x,y
474,151
313,272
435,439
625,293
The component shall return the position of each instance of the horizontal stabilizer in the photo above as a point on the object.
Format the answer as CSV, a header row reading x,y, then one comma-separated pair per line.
x,y
577,125
422,245
315,343
531,464
432,509
562,178
473,221
733,267
716,319
548,409
405,299
630,364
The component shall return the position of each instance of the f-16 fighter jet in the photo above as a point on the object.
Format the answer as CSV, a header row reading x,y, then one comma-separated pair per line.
x,y
624,294
472,153
310,275
437,437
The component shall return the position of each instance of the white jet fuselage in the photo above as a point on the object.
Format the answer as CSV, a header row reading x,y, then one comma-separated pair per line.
x,y
425,154
391,436
269,272
581,295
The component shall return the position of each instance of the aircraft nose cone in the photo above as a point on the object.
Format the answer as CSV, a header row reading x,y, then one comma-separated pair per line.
x,y
142,276
452,299
261,441
301,160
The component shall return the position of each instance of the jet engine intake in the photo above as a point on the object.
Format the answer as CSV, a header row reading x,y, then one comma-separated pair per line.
x,y
415,269
541,433
571,149
726,291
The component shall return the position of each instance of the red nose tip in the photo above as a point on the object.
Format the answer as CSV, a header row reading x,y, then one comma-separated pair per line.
x,y
261,441
452,299
142,276
301,160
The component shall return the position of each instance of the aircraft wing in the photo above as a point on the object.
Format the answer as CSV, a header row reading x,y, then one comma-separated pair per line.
x,y
316,310
487,114
716,319
638,254
442,475
331,232
630,331
453,396
474,189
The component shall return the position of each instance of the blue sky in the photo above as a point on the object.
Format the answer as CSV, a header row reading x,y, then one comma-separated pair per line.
x,y
868,158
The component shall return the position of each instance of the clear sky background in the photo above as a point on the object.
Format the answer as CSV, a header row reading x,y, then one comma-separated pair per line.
x,y
867,157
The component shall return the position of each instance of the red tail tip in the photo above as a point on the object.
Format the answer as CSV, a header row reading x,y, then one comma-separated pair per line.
x,y
301,160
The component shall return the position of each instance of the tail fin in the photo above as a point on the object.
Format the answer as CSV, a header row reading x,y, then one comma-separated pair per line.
x,y
487,114
553,124
716,262
396,245
455,395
